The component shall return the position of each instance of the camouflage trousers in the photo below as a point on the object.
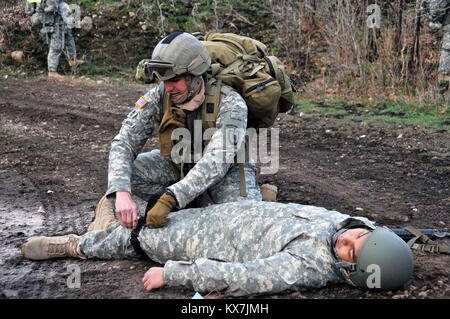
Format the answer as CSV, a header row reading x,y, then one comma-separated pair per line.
x,y
111,243
152,173
159,244
58,41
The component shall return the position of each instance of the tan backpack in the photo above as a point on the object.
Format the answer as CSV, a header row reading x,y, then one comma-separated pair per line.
x,y
242,63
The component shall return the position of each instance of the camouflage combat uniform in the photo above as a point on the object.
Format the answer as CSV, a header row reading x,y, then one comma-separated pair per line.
x,y
245,247
148,173
57,27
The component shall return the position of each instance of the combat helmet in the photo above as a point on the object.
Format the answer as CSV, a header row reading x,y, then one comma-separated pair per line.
x,y
178,53
385,262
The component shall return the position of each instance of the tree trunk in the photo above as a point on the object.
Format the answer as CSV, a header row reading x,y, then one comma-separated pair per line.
x,y
415,49
398,33
372,51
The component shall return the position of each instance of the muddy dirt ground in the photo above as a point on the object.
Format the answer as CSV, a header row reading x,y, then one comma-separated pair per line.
x,y
54,144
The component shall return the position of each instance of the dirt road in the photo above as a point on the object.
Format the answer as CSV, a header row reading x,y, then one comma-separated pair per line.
x,y
54,144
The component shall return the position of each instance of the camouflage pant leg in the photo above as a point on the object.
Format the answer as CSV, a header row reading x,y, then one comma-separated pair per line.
x,y
54,52
152,173
70,45
111,243
229,190
56,48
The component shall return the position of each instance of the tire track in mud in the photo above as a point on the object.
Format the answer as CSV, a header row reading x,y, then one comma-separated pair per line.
x,y
53,130
19,210
49,150
59,200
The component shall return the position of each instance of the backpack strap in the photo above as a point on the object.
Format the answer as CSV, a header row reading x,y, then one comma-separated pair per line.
x,y
210,107
243,183
427,244
166,102
242,68
210,111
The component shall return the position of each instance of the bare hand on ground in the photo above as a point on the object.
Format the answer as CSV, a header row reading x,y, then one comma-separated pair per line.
x,y
153,278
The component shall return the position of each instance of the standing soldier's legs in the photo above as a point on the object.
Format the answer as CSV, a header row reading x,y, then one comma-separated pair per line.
x,y
152,173
70,45
71,49
54,52
229,188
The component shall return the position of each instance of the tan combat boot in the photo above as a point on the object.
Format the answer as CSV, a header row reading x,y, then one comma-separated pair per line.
x,y
41,248
269,192
76,62
56,76
104,215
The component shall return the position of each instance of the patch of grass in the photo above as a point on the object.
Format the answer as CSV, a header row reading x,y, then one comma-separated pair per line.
x,y
90,4
306,105
442,141
382,113
326,109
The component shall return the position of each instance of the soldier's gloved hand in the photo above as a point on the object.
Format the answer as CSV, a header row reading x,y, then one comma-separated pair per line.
x,y
158,216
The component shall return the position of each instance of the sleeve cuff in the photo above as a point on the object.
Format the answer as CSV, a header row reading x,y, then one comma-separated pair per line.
x,y
113,190
178,273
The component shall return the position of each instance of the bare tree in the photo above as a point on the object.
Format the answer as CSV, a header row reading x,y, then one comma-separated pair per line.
x,y
399,26
289,15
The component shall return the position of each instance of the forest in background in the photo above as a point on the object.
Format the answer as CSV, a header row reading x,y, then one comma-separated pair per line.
x,y
326,45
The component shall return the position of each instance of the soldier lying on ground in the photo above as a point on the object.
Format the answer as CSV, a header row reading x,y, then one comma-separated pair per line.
x,y
247,248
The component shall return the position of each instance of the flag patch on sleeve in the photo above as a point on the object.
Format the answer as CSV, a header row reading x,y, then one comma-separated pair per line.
x,y
141,102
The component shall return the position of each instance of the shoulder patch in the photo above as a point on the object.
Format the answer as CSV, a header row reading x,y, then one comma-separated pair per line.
x,y
141,102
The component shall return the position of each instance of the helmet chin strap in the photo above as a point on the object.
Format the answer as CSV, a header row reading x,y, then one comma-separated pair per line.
x,y
192,103
194,87
344,266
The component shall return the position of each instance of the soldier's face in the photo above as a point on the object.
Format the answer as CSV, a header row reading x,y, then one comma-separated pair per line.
x,y
349,243
176,86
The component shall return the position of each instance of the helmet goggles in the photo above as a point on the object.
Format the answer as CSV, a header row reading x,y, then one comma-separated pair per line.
x,y
163,70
